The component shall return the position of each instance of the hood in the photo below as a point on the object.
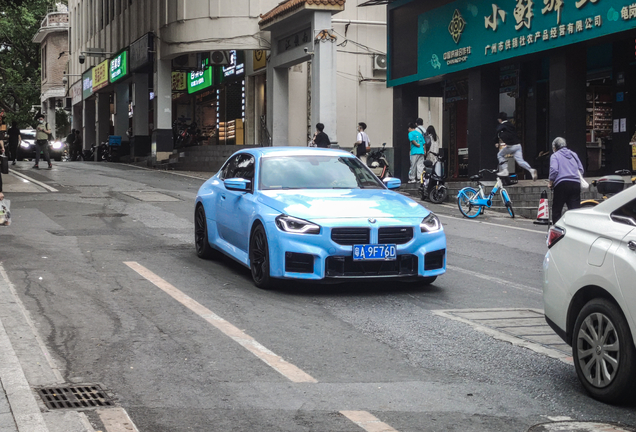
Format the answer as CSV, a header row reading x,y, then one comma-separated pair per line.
x,y
342,203
565,152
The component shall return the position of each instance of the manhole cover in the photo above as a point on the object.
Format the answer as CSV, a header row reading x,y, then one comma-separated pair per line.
x,y
77,397
574,426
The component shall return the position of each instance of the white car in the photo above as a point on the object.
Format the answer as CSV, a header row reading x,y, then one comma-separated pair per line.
x,y
589,293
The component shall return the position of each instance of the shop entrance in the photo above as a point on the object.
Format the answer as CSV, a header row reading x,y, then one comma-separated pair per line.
x,y
456,101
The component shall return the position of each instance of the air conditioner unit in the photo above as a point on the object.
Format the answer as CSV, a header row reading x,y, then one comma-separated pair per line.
x,y
379,62
219,58
185,62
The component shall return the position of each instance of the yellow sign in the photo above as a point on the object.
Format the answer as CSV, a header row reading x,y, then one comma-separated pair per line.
x,y
179,81
260,59
100,75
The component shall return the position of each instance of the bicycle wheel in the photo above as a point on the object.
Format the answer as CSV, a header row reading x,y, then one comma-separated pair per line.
x,y
507,202
468,209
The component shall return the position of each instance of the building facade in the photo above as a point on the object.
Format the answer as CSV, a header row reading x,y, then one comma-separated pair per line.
x,y
557,68
53,40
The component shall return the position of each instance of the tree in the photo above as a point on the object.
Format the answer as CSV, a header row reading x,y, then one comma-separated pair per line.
x,y
20,57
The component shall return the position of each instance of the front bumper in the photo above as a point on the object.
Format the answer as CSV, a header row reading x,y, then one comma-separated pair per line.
x,y
318,257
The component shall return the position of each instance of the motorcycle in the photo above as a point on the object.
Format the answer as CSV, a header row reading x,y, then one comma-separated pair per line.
x,y
103,153
378,163
187,135
433,186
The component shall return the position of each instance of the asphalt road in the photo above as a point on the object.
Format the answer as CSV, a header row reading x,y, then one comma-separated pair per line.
x,y
375,350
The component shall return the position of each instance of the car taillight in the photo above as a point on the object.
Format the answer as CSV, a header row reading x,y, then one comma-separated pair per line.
x,y
554,235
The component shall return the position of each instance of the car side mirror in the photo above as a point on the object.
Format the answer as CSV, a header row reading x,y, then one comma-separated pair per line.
x,y
237,184
392,183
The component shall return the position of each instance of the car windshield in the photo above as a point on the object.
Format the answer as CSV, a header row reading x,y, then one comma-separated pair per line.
x,y
316,172
27,135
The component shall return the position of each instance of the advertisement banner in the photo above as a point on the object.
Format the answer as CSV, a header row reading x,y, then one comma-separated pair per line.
x,y
179,81
76,92
87,84
260,59
100,75
468,33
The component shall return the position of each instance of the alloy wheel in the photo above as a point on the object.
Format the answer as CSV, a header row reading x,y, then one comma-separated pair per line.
x,y
598,349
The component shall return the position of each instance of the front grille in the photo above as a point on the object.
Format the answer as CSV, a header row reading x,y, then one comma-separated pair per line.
x,y
350,236
299,263
434,260
395,235
77,397
340,266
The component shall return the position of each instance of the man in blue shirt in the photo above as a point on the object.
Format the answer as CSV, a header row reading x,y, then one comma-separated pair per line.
x,y
417,143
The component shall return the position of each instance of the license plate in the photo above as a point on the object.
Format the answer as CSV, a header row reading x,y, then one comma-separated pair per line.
x,y
374,252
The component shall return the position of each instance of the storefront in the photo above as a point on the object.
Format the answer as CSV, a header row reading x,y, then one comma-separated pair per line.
x,y
557,68
213,98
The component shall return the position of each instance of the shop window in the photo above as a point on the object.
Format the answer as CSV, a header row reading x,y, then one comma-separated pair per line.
x,y
599,124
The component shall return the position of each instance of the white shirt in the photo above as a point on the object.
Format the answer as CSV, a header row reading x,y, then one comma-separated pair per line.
x,y
363,138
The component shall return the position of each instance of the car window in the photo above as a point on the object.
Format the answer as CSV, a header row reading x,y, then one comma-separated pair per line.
x,y
626,214
316,172
239,166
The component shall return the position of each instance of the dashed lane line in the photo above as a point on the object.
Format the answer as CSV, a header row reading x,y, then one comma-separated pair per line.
x,y
497,280
367,421
273,360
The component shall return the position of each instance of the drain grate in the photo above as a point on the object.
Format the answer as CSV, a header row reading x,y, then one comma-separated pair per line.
x,y
77,397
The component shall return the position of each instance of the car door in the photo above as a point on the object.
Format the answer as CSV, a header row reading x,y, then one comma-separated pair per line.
x,y
625,256
236,208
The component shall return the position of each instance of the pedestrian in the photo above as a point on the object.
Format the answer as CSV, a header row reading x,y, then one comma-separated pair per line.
x,y
507,135
42,132
427,138
1,152
78,144
321,139
417,144
363,144
566,171
70,143
434,144
14,141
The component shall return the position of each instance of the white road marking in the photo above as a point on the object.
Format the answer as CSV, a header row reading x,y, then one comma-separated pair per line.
x,y
505,337
497,280
24,408
558,418
116,420
39,183
27,316
493,224
367,421
286,369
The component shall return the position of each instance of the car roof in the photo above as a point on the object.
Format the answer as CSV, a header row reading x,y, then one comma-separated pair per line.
x,y
300,151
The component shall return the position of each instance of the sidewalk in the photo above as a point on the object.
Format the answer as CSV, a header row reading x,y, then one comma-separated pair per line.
x,y
7,424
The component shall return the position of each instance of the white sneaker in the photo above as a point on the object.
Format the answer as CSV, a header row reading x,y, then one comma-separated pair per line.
x,y
412,181
534,174
503,173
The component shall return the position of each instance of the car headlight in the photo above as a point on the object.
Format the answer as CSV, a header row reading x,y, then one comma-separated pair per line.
x,y
25,144
430,223
297,226
57,145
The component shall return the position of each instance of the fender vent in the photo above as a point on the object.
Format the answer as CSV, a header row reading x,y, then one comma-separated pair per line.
x,y
77,397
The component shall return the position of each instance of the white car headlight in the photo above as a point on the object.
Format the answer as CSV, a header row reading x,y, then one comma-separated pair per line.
x,y
297,226
430,223
57,145
25,144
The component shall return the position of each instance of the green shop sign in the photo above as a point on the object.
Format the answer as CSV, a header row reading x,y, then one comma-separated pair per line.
x,y
468,33
199,80
118,67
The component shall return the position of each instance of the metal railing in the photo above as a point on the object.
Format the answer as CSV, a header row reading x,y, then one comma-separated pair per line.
x,y
266,138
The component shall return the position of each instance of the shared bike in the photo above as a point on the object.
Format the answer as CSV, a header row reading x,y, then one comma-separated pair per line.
x,y
472,202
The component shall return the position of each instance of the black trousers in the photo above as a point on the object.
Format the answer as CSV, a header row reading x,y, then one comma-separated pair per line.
x,y
568,193
13,151
42,146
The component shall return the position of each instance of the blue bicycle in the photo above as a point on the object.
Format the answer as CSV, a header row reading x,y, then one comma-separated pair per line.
x,y
472,202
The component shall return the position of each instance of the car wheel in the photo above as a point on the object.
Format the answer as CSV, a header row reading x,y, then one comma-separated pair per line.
x,y
259,258
201,242
603,351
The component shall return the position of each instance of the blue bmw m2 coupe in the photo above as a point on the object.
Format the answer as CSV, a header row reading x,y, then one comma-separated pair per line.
x,y
315,214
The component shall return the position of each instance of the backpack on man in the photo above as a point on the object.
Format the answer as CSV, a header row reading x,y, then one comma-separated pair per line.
x,y
427,138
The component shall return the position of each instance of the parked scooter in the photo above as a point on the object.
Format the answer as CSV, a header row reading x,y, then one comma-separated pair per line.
x,y
433,186
378,163
103,153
